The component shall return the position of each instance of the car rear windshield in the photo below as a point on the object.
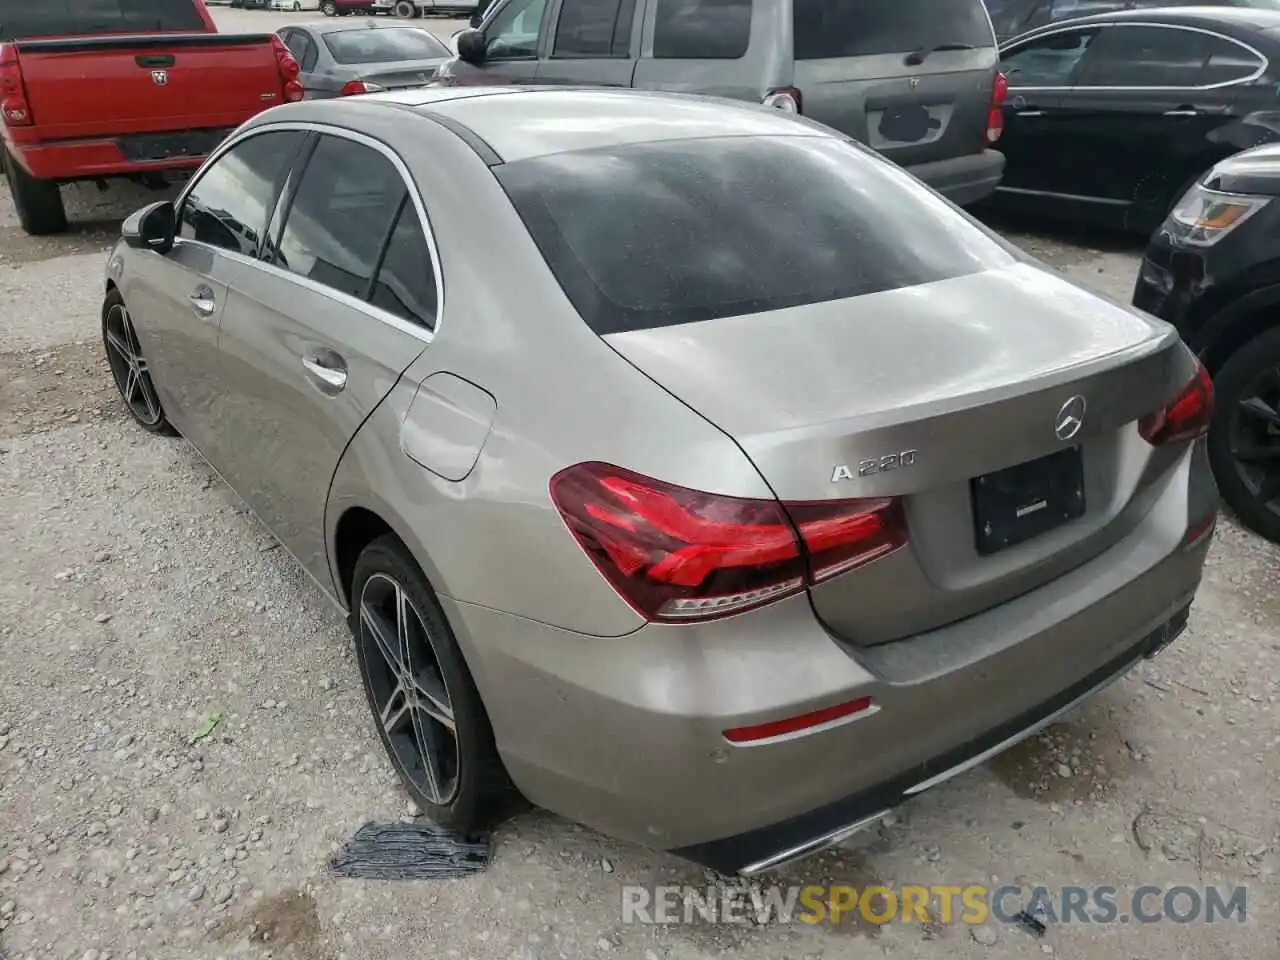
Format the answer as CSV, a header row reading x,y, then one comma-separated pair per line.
x,y
383,46
827,29
682,231
20,19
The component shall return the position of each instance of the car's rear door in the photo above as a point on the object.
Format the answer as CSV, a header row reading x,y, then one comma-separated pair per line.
x,y
593,41
315,335
911,78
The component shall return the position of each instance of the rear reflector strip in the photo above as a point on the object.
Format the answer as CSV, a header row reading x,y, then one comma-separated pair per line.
x,y
805,723
1198,531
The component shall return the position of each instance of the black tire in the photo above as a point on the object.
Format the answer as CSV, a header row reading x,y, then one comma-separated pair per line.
x,y
329,8
1236,382
38,202
139,395
405,9
482,792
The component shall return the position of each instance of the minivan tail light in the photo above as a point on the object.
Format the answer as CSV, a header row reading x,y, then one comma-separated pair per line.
x,y
14,106
680,555
288,69
786,99
995,113
354,87
1186,418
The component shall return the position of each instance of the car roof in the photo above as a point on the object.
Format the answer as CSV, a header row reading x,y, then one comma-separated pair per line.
x,y
1239,18
517,123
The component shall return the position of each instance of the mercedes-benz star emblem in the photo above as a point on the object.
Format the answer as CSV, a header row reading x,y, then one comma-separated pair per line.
x,y
159,77
1070,418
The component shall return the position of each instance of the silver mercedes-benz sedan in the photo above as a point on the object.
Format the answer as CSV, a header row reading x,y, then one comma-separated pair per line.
x,y
680,464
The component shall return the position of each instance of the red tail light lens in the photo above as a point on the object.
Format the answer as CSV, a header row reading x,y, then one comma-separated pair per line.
x,y
14,107
353,87
678,555
288,69
1186,418
995,115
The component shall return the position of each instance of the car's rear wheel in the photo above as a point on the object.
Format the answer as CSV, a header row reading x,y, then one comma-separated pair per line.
x,y
425,705
329,8
405,10
1244,441
129,367
38,202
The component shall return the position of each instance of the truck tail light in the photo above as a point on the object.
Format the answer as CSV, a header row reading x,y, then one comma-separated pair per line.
x,y
1186,417
995,115
679,555
354,87
786,99
288,69
14,106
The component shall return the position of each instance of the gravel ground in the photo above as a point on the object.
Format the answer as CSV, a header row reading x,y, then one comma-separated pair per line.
x,y
137,597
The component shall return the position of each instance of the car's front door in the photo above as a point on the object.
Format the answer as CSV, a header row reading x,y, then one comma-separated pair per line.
x,y
178,298
315,334
593,42
513,39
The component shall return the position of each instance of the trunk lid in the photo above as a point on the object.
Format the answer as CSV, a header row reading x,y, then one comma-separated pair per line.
x,y
956,379
95,86
402,74
910,78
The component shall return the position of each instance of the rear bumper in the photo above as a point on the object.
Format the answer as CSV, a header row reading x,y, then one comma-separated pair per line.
x,y
89,159
625,734
963,180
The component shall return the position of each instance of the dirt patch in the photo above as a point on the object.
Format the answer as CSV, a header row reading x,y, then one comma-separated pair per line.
x,y
42,390
286,925
16,248
1069,762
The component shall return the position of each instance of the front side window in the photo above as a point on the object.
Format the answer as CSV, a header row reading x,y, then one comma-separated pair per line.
x,y
340,215
1146,56
383,45
513,35
828,29
1051,61
82,18
594,28
701,29
685,231
227,206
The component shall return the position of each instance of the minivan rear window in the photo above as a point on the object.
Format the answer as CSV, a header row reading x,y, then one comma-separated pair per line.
x,y
827,29
20,19
682,231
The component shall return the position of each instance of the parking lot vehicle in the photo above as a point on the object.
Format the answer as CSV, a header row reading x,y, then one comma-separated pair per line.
x,y
295,6
433,8
915,79
1012,17
1110,118
345,8
726,627
139,89
1213,271
338,59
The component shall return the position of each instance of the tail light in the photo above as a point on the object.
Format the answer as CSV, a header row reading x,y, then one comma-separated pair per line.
x,y
14,107
995,115
679,555
288,69
1186,418
786,99
352,87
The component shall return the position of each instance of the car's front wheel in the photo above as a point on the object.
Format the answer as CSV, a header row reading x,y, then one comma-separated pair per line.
x,y
425,705
1244,440
129,367
329,8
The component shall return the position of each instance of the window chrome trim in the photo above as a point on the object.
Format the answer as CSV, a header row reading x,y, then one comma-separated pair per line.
x,y
376,313
1263,62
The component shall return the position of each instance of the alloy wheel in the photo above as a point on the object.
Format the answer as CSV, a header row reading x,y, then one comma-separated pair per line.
x,y
411,698
129,367
1255,437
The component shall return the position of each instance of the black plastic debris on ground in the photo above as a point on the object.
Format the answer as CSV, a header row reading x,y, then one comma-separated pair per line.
x,y
1030,924
410,851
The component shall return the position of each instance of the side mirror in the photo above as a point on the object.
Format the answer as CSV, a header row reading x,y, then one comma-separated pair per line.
x,y
151,228
471,47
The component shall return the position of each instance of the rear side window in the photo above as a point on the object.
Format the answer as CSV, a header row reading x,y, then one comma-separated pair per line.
x,y
1228,62
335,227
79,18
701,29
594,28
406,284
1145,56
383,46
826,29
681,231
227,207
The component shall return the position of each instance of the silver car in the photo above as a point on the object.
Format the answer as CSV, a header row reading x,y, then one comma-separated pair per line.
x,y
341,58
685,466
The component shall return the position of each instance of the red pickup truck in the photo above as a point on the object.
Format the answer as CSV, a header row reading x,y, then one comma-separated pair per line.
x,y
94,89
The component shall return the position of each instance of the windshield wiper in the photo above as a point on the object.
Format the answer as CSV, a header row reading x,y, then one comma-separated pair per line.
x,y
916,57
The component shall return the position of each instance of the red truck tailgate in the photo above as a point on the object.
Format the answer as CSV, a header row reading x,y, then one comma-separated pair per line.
x,y
92,86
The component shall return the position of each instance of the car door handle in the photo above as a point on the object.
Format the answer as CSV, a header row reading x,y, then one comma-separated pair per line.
x,y
1030,113
326,370
1183,112
202,301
